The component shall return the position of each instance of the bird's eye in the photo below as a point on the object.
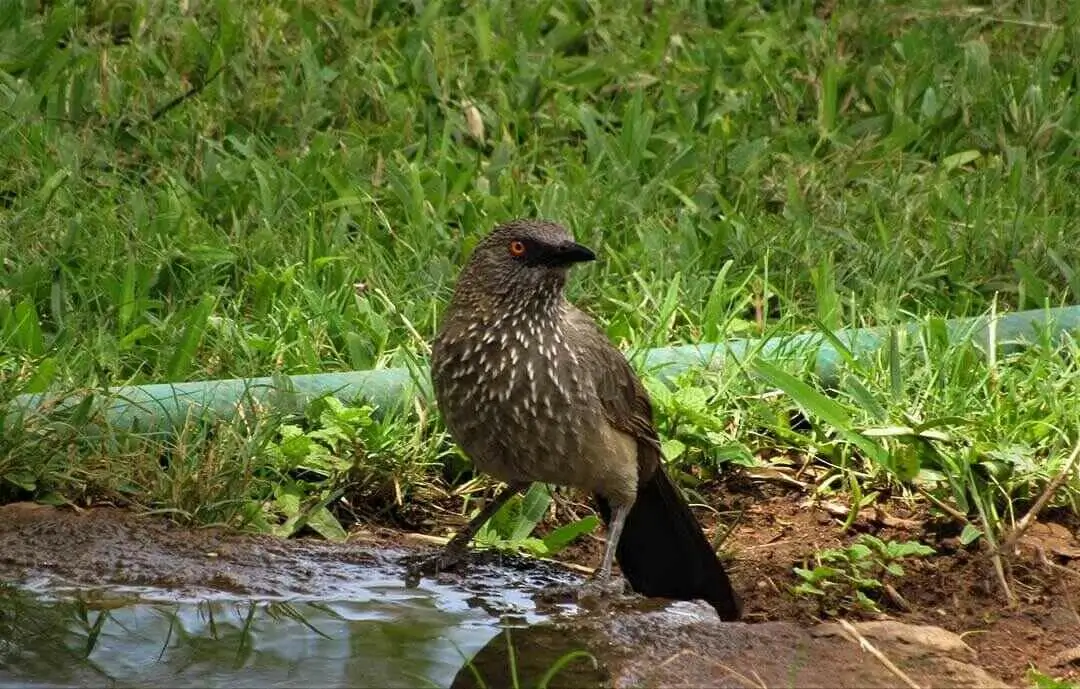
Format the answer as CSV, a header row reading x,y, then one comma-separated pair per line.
x,y
517,248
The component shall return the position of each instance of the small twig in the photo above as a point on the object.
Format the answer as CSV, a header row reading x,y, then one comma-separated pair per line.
x,y
775,476
1008,546
193,91
991,345
572,566
999,570
865,644
771,544
1048,564
1028,519
721,535
980,13
426,538
944,506
760,684
873,515
896,598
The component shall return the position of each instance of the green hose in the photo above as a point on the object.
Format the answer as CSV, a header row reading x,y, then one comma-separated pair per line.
x,y
166,405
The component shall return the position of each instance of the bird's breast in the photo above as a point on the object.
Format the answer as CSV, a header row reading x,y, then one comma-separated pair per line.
x,y
513,399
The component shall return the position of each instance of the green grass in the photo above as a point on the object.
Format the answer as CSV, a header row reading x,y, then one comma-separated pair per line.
x,y
741,167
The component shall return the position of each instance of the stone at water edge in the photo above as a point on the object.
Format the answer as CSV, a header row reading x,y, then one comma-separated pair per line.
x,y
684,645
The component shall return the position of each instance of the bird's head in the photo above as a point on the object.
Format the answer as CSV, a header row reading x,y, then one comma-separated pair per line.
x,y
524,260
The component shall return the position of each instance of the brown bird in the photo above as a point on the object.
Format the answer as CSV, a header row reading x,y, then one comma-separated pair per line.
x,y
532,390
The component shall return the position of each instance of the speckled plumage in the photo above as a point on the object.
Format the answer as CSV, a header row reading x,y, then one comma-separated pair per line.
x,y
532,390
512,387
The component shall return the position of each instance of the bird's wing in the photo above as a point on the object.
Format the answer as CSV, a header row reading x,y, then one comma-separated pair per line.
x,y
624,399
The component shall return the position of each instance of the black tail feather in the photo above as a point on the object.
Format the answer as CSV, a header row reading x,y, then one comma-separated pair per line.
x,y
663,552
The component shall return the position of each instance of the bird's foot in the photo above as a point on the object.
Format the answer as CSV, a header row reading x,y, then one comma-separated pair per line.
x,y
597,588
420,566
603,587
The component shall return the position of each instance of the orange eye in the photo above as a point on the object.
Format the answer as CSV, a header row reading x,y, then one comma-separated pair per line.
x,y
517,248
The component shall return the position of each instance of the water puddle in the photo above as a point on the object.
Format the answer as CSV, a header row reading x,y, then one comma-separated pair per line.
x,y
106,598
373,632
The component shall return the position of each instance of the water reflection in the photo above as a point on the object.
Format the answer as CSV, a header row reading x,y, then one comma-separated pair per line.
x,y
388,637
531,656
45,639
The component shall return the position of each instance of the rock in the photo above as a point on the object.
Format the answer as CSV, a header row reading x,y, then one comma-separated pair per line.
x,y
1070,656
1053,538
685,645
931,638
14,510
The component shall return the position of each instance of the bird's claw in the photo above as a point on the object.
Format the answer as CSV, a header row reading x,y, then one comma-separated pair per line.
x,y
594,589
418,567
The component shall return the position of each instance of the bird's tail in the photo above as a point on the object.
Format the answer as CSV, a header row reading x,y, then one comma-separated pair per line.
x,y
663,552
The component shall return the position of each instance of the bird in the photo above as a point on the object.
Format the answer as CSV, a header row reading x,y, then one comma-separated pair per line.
x,y
532,390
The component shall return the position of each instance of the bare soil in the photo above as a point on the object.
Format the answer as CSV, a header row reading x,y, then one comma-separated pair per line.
x,y
956,589
776,529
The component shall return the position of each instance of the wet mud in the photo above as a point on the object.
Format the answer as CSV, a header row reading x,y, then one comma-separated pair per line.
x,y
458,629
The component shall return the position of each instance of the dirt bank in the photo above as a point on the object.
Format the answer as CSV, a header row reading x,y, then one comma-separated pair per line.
x,y
779,529
954,590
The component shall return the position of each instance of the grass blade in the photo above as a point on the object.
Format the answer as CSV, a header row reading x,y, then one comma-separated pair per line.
x,y
818,405
184,353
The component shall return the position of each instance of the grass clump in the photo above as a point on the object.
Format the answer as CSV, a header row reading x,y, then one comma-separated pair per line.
x,y
273,472
923,417
197,190
306,206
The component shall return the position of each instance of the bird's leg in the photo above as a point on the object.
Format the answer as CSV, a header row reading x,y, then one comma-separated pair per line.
x,y
618,520
454,551
601,583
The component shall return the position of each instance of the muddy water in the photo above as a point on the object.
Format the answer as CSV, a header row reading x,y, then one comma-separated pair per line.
x,y
156,606
104,598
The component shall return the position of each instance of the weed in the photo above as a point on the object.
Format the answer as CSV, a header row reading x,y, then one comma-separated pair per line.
x,y
272,472
851,577
1039,680
39,638
931,415
347,454
513,524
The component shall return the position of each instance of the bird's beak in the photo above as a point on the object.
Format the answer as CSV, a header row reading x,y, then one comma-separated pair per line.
x,y
570,253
